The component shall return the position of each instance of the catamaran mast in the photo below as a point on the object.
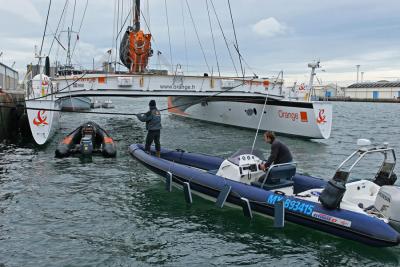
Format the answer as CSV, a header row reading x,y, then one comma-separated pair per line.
x,y
136,16
135,47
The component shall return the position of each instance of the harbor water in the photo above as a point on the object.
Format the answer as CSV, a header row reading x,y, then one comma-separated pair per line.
x,y
115,212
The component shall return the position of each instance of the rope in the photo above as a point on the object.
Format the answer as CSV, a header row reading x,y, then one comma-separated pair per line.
x,y
212,35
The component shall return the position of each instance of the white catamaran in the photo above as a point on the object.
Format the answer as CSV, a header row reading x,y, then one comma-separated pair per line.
x,y
248,102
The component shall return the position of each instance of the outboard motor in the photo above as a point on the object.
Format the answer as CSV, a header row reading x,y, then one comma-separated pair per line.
x,y
387,202
88,134
334,190
86,145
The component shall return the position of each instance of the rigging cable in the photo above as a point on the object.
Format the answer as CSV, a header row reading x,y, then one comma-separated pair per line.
x,y
212,35
58,26
73,15
223,34
262,113
202,99
80,27
184,36
122,18
44,33
59,35
113,38
234,32
148,13
197,34
259,124
116,37
169,36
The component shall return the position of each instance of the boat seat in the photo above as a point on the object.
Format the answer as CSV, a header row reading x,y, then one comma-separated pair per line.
x,y
278,176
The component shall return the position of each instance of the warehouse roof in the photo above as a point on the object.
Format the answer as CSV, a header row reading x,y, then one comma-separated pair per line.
x,y
379,84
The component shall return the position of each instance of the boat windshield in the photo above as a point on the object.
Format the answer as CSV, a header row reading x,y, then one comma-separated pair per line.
x,y
247,150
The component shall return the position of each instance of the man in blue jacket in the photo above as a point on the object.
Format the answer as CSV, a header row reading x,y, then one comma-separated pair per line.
x,y
153,126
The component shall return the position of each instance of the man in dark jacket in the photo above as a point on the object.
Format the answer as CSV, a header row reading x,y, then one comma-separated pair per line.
x,y
153,126
279,151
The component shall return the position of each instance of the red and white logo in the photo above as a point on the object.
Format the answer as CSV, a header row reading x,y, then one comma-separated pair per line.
x,y
321,117
40,119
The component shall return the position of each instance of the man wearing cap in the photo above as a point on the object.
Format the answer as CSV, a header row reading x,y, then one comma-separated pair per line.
x,y
280,153
153,126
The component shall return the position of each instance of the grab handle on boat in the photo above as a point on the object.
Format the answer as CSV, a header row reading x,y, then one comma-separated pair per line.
x,y
168,182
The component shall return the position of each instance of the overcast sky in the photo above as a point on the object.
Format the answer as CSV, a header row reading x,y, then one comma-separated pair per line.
x,y
273,35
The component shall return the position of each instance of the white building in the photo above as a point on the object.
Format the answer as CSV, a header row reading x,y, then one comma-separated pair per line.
x,y
327,91
374,90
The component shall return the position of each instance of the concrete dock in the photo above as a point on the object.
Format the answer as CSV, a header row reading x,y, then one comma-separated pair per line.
x,y
13,119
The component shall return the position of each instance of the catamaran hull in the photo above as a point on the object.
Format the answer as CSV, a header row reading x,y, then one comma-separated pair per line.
x,y
340,222
43,118
305,119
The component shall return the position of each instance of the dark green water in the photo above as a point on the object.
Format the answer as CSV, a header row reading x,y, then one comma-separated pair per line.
x,y
114,212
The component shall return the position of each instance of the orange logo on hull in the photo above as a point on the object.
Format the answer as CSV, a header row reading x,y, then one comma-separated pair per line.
x,y
321,117
39,120
303,116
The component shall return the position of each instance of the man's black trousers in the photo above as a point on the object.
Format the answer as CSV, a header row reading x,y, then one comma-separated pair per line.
x,y
153,135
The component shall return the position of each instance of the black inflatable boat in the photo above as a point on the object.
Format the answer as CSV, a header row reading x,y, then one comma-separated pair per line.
x,y
87,139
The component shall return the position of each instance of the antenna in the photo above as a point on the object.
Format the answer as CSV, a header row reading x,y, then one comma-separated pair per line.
x,y
313,67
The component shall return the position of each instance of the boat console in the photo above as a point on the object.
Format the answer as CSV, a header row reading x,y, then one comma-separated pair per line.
x,y
242,166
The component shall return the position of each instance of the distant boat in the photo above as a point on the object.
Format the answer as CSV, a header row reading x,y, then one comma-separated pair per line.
x,y
107,104
75,104
95,103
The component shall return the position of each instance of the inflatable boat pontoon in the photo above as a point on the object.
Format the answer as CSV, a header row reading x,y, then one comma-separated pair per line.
x,y
87,139
363,210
